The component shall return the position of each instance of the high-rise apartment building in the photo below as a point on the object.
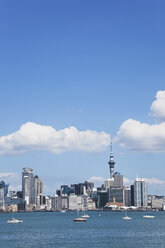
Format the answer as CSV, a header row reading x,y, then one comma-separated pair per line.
x,y
140,192
38,190
2,195
28,185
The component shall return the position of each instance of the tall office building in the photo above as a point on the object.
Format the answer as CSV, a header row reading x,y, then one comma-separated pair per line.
x,y
118,180
28,185
111,163
2,195
127,196
38,190
140,192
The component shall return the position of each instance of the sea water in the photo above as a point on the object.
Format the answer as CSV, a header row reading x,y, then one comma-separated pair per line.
x,y
102,229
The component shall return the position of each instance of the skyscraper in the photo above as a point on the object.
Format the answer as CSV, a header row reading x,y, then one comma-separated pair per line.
x,y
140,192
2,195
28,185
118,180
111,163
38,190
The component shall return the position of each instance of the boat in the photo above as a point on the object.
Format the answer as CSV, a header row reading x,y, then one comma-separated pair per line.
x,y
126,218
85,216
79,219
14,221
149,216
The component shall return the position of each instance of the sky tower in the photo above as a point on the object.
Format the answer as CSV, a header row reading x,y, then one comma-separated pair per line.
x,y
111,163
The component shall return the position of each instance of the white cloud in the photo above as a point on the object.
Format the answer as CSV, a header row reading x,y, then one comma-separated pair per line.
x,y
97,179
127,181
136,136
150,181
158,106
32,136
9,177
141,137
155,181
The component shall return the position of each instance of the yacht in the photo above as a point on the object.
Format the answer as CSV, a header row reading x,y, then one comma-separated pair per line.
x,y
15,221
126,218
80,219
148,216
85,216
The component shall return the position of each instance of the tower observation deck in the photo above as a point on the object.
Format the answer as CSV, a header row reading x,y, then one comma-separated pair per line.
x,y
111,163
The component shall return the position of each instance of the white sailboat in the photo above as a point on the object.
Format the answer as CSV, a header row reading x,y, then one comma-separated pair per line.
x,y
15,221
79,218
85,215
148,216
126,217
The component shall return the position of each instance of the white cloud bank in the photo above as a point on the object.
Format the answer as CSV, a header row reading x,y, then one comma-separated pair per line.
x,y
32,136
158,106
137,136
155,181
97,179
9,176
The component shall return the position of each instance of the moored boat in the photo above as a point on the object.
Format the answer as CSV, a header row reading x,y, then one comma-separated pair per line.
x,y
148,216
80,219
14,221
126,218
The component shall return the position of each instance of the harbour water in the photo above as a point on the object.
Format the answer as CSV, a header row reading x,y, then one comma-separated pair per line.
x,y
51,229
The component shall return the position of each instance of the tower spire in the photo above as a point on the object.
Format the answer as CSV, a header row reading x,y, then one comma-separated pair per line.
x,y
111,163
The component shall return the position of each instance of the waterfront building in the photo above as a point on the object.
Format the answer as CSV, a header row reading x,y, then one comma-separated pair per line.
x,y
79,189
11,208
84,202
64,202
13,194
38,190
2,195
109,183
113,205
6,189
102,199
73,202
66,190
56,203
28,185
157,204
116,194
127,196
140,192
118,180
91,204
48,203
132,195
89,187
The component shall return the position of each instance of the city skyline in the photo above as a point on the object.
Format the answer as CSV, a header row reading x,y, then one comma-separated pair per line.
x,y
75,75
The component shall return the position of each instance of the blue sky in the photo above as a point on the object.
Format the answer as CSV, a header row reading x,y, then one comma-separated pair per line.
x,y
91,65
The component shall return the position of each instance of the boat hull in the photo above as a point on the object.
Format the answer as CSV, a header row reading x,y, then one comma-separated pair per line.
x,y
79,220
